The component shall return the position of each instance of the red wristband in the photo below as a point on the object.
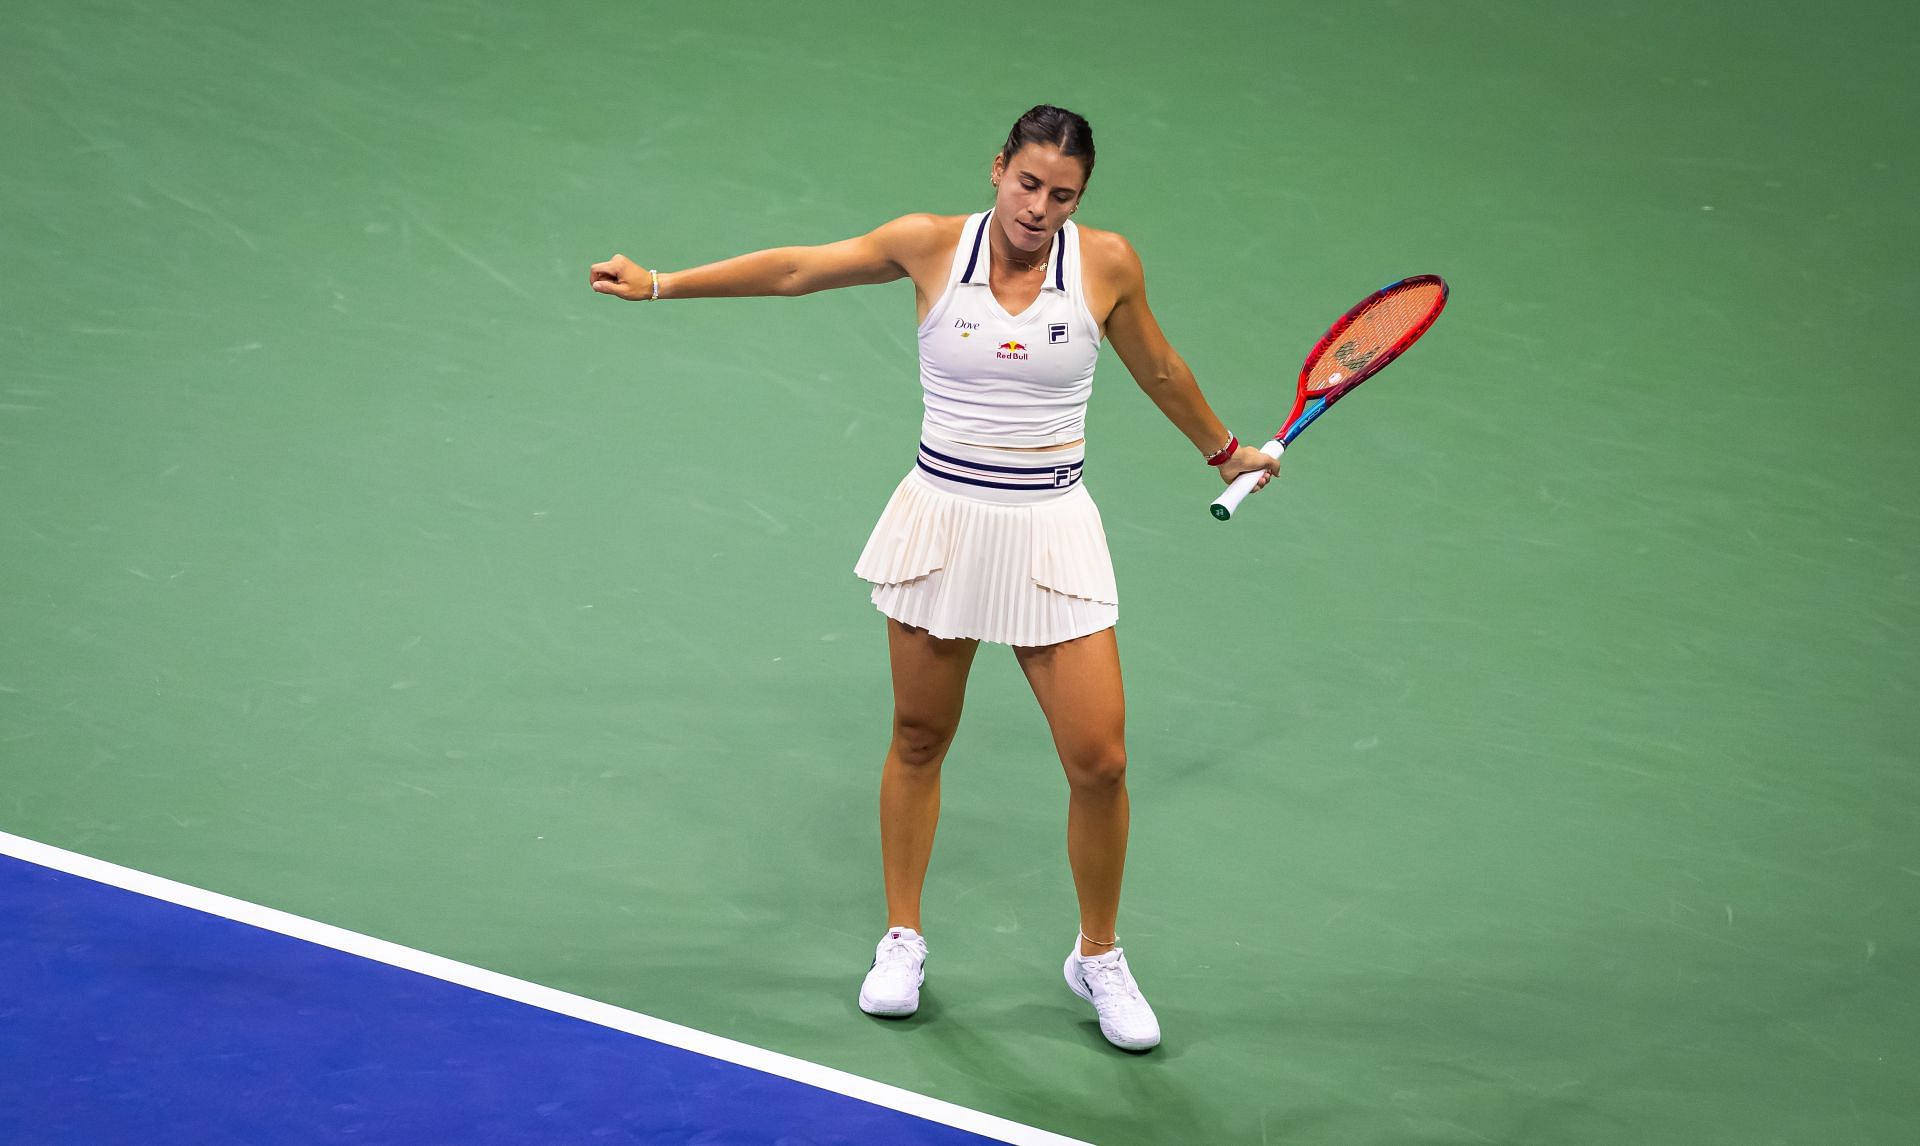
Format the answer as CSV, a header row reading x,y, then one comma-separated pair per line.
x,y
1226,452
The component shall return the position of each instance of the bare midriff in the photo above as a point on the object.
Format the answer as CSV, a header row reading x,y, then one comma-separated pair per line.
x,y
1030,449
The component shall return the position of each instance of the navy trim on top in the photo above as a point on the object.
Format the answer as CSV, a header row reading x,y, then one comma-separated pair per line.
x,y
974,259
1059,255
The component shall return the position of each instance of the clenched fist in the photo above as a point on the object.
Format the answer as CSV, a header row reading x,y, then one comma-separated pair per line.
x,y
621,277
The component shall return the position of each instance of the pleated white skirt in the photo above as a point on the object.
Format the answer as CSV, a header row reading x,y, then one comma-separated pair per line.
x,y
972,544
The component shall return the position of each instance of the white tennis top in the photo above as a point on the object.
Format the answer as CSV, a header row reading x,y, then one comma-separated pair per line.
x,y
997,379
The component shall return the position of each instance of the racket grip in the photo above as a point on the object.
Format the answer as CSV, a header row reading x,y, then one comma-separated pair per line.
x,y
1229,501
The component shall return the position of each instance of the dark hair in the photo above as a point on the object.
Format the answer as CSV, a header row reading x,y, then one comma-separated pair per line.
x,y
1055,126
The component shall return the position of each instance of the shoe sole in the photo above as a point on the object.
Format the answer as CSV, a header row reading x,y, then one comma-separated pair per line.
x,y
895,1011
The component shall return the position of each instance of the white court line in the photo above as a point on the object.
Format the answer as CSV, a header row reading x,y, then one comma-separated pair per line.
x,y
533,994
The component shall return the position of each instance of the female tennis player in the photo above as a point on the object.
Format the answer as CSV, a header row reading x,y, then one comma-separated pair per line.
x,y
992,535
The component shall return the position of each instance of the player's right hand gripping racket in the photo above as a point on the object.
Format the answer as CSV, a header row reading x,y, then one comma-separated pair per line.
x,y
1359,346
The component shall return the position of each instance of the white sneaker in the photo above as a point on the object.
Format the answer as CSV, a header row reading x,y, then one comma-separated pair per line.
x,y
892,986
1104,981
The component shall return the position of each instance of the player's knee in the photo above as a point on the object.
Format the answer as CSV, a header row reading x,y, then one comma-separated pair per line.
x,y
1097,768
918,743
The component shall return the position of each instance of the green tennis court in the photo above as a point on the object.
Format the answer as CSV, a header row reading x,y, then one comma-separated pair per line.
x,y
1534,764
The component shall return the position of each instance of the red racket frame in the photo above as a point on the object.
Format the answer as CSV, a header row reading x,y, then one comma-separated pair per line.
x,y
1326,398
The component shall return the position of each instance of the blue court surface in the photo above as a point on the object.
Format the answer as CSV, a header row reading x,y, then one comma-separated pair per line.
x,y
131,1017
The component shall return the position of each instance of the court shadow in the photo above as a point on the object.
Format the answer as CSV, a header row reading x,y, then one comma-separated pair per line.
x,y
1102,1092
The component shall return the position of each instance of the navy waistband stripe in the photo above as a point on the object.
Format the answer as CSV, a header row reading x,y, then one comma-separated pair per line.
x,y
1031,479
1066,478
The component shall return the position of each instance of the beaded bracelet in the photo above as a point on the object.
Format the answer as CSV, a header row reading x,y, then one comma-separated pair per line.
x,y
1225,452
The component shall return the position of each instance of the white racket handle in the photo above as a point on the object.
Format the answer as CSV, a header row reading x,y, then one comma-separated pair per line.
x,y
1243,485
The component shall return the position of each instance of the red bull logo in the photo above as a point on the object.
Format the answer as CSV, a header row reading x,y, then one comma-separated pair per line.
x,y
1015,351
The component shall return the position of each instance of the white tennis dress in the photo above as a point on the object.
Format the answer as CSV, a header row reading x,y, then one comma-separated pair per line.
x,y
980,540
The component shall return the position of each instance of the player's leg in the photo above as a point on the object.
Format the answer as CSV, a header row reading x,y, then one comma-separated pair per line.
x,y
929,684
1078,686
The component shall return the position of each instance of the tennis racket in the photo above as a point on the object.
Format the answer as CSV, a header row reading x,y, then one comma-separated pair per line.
x,y
1360,345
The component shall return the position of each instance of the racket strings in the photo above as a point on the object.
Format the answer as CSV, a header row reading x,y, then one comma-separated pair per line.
x,y
1373,335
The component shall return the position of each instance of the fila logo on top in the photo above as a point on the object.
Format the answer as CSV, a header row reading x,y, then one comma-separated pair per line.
x,y
1056,333
1016,351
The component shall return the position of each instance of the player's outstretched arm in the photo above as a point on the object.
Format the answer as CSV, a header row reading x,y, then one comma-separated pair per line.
x,y
880,256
